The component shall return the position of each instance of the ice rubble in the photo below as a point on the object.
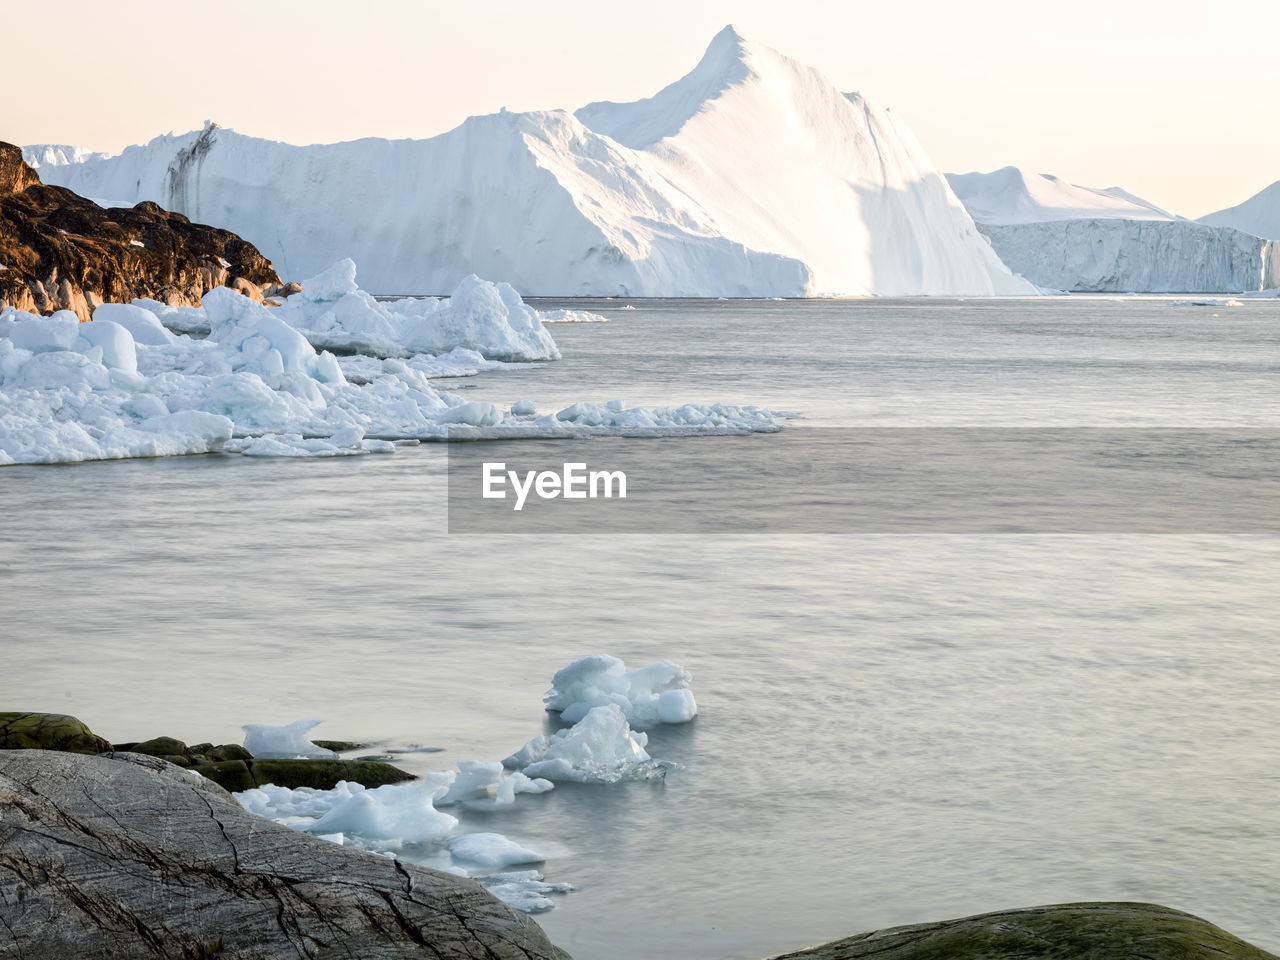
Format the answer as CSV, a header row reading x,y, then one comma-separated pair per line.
x,y
751,176
600,747
125,385
1011,195
1067,237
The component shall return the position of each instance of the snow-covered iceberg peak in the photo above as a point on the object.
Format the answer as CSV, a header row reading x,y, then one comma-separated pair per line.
x,y
1067,237
782,160
1011,195
1259,215
644,122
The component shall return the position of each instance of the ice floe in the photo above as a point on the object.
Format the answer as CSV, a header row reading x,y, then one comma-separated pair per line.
x,y
127,385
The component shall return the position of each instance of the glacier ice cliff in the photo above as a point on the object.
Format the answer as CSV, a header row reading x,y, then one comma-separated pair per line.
x,y
1067,237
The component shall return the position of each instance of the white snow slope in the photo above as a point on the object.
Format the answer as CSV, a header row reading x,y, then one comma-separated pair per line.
x,y
1259,215
1010,195
1068,237
752,176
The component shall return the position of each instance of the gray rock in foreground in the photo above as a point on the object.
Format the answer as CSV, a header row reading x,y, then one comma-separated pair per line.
x,y
133,857
1069,931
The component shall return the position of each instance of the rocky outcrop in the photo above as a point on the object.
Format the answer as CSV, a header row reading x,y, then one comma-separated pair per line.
x,y
229,765
47,731
61,251
1097,931
317,774
137,858
15,175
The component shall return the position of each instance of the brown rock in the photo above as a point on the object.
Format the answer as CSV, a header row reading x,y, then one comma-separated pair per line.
x,y
64,252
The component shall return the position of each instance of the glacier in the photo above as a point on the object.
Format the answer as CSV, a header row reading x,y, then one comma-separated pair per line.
x,y
1067,237
753,176
1259,215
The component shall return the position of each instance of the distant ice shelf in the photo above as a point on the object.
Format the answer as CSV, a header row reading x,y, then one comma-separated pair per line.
x,y
1066,237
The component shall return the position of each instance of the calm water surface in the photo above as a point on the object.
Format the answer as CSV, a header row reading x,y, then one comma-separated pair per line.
x,y
892,728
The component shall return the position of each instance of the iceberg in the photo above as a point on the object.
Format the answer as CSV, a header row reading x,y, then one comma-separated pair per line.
x,y
1066,237
752,176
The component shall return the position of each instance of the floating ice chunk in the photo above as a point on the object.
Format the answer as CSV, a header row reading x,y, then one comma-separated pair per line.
x,y
344,443
601,679
586,413
676,706
474,779
488,780
524,890
116,349
288,740
570,316
492,850
524,408
487,317
331,284
517,782
142,324
29,331
402,813
476,413
600,748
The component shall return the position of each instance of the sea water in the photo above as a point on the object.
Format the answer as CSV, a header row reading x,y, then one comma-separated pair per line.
x,y
891,728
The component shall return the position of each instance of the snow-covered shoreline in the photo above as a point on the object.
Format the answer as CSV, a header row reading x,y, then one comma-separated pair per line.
x,y
262,382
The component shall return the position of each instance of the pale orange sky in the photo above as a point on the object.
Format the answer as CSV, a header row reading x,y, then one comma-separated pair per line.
x,y
1173,101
